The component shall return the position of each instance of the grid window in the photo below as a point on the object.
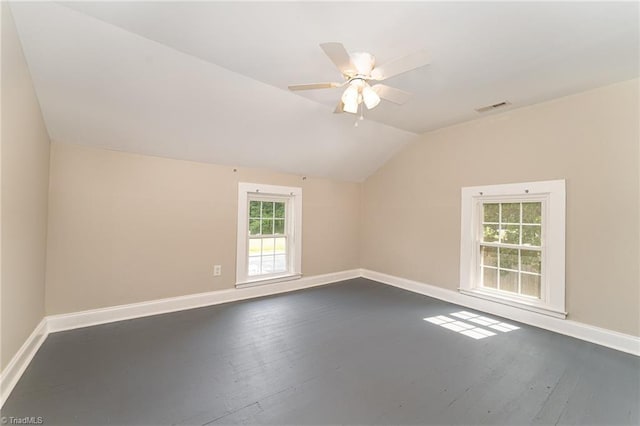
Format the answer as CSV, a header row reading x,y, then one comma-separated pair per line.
x,y
269,248
510,247
267,235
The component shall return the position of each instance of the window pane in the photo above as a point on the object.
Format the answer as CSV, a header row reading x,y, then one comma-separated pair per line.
x,y
509,258
267,209
509,281
255,246
510,234
532,212
490,233
268,245
531,235
530,285
531,261
491,213
267,264
278,226
267,226
489,256
254,226
510,213
279,210
281,245
254,265
254,209
280,263
490,277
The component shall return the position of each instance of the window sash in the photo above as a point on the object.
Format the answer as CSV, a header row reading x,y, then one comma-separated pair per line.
x,y
503,225
520,273
273,217
273,255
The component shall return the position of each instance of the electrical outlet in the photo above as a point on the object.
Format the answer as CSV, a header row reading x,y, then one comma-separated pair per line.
x,y
217,270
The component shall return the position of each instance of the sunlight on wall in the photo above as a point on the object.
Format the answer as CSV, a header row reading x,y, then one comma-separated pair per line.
x,y
471,330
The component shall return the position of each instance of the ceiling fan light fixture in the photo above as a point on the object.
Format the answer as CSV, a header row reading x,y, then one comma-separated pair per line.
x,y
370,97
351,107
350,94
350,99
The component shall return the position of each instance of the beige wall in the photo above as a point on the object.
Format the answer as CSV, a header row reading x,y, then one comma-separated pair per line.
x,y
411,206
25,177
127,228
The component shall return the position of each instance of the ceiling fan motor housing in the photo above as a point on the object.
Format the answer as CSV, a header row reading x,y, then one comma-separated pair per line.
x,y
364,63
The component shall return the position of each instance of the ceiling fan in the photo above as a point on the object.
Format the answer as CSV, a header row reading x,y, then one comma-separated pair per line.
x,y
358,69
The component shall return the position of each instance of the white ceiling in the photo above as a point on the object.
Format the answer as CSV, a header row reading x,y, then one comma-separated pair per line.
x,y
207,81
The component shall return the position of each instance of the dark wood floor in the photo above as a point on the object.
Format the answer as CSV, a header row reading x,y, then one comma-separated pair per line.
x,y
355,352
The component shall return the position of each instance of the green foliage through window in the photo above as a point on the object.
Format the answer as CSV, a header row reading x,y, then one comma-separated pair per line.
x,y
492,213
254,226
510,213
279,210
267,209
267,217
254,209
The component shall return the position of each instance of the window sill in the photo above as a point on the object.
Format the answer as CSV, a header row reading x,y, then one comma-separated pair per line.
x,y
269,280
505,300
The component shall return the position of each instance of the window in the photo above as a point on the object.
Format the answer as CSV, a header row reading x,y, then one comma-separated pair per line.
x,y
267,236
512,245
269,233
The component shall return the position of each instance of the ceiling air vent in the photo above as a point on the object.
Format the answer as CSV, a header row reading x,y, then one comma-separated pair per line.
x,y
494,106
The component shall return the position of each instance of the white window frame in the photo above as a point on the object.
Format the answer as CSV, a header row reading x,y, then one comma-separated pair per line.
x,y
293,215
553,196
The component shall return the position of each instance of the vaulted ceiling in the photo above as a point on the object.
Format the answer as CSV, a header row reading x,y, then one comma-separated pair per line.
x,y
208,81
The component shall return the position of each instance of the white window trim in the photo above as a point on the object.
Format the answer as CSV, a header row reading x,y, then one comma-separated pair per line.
x,y
553,194
294,215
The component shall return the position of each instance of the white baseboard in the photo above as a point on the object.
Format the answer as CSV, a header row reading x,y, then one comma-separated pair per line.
x,y
601,336
161,306
20,361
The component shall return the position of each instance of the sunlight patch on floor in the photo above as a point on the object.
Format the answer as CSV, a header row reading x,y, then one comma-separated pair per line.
x,y
471,330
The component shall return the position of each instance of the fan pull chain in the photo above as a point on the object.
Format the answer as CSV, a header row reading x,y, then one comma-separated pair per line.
x,y
361,106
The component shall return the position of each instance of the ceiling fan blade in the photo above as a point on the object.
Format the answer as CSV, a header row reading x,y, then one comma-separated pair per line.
x,y
314,86
339,56
392,94
339,107
401,65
